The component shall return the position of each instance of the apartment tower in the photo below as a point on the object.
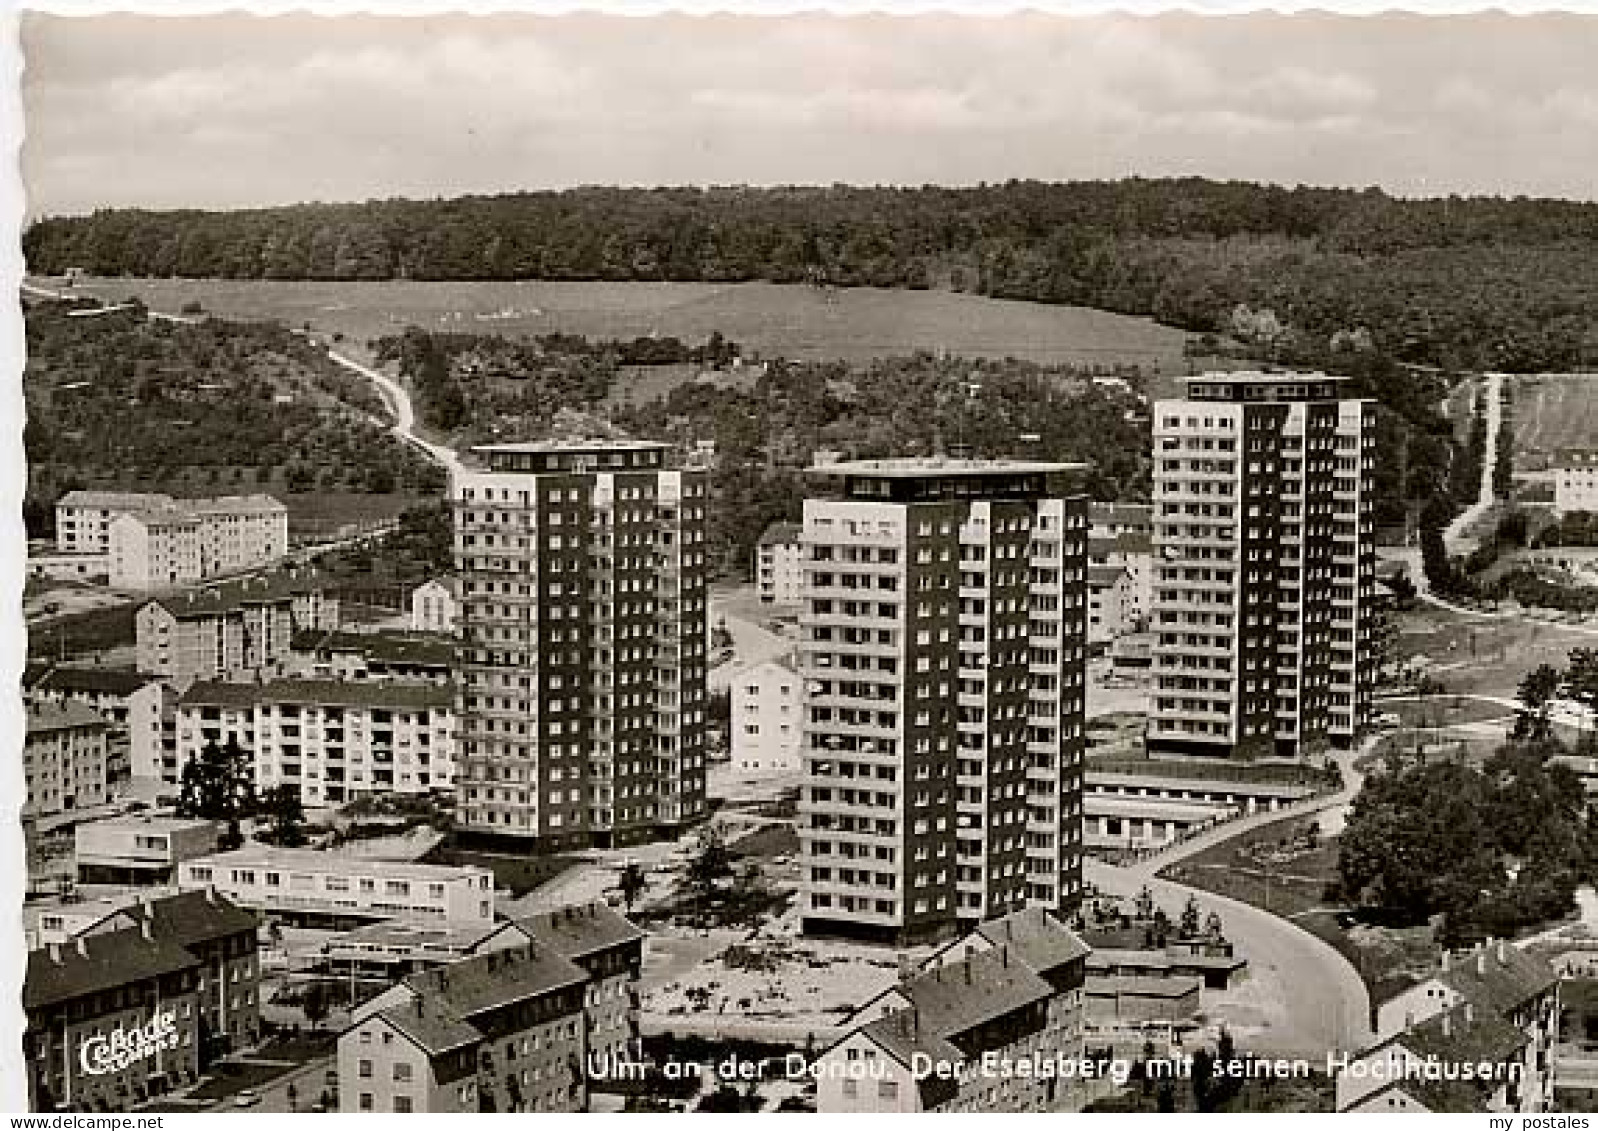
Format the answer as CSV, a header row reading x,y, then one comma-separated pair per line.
x,y
1264,566
581,644
942,655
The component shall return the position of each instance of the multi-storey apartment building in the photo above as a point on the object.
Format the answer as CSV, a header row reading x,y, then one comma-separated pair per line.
x,y
582,643
1576,481
767,707
130,704
331,740
779,564
169,542
942,654
64,759
504,1031
1265,565
83,518
236,630
433,606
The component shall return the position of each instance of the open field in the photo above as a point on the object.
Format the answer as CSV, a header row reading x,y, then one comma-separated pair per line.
x,y
769,319
1553,411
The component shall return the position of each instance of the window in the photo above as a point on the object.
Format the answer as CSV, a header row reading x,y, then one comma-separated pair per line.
x,y
402,1104
887,1089
366,1070
366,1101
851,1089
402,1073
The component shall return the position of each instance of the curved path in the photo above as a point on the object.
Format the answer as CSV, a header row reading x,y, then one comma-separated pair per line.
x,y
1454,536
1318,999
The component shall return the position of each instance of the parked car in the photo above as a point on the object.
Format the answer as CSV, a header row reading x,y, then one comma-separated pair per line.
x,y
249,1097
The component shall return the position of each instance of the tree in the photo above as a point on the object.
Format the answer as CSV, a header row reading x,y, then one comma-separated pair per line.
x,y
316,1003
292,1093
710,864
632,883
284,809
1536,691
1190,919
218,784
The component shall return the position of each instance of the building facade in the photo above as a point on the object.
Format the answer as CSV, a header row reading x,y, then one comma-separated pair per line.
x,y
767,712
64,759
83,518
779,564
1576,482
433,606
503,1031
942,654
168,543
1265,566
333,741
400,657
237,630
324,887
139,850
129,702
582,644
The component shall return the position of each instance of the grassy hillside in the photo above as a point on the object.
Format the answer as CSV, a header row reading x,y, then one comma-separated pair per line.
x,y
118,400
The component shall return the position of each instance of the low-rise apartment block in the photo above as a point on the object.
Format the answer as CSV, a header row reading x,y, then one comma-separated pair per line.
x,y
500,1032
334,741
64,759
1576,482
304,885
83,518
169,542
236,630
128,701
1494,1005
942,1040
767,718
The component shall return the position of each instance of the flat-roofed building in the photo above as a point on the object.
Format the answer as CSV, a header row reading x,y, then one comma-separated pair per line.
x,y
139,849
1576,481
332,740
582,644
1265,566
942,656
302,884
169,543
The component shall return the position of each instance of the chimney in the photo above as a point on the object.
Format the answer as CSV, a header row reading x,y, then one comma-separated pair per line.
x,y
418,1000
55,953
967,973
1446,963
1470,1014
83,946
210,894
1503,953
915,1022
1481,962
1448,1027
1004,956
147,930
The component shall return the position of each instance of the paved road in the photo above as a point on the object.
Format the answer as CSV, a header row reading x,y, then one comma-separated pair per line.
x,y
752,642
399,402
1310,997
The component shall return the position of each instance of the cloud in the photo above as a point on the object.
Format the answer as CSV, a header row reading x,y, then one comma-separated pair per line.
x,y
236,110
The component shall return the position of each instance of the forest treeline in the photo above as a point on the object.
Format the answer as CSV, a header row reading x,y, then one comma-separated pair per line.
x,y
1478,283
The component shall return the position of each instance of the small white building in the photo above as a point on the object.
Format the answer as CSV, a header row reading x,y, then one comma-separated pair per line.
x,y
312,886
139,850
1111,603
779,564
177,542
1576,482
433,606
83,518
766,718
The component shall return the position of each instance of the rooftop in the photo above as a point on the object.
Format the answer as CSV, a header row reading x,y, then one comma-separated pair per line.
x,y
1498,976
495,979
578,931
110,681
921,467
779,532
323,693
394,647
112,500
954,999
1036,938
1139,985
547,447
230,595
189,917
260,855
91,963
46,717
1259,376
146,823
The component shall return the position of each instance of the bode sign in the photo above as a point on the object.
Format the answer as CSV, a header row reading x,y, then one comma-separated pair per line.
x,y
122,1046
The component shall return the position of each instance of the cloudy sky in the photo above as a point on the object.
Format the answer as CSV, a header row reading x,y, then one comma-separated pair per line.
x,y
232,111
